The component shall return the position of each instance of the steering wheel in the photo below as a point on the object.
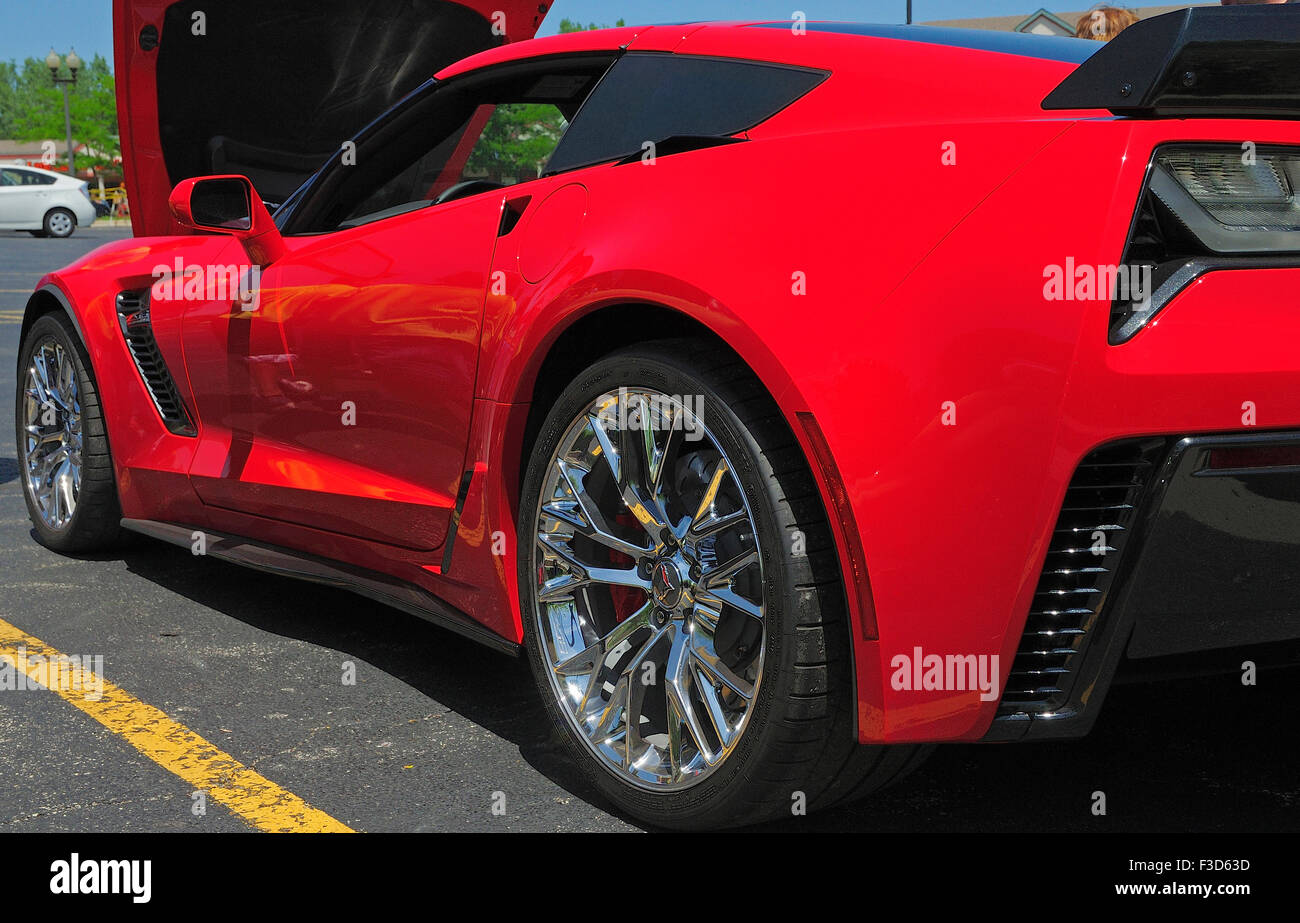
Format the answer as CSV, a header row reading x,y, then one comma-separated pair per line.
x,y
468,187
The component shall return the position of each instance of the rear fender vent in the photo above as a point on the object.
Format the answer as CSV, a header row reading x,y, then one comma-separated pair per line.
x,y
1095,523
133,319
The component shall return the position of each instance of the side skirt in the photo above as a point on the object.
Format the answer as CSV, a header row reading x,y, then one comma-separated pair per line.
x,y
287,563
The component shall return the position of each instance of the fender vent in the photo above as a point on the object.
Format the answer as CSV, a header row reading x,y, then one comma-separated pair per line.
x,y
1095,522
133,318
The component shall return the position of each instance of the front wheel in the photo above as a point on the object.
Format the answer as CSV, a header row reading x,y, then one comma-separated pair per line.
x,y
67,472
682,606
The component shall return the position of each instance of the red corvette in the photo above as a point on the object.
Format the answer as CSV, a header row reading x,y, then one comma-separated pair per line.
x,y
792,395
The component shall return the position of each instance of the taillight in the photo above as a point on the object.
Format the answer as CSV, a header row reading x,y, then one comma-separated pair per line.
x,y
1208,207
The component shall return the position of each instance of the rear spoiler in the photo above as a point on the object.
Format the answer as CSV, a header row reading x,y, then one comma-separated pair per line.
x,y
1233,61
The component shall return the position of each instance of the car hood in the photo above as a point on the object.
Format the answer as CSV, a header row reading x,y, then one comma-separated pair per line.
x,y
270,89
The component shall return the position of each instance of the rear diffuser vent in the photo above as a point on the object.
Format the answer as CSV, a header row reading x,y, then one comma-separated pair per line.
x,y
1092,531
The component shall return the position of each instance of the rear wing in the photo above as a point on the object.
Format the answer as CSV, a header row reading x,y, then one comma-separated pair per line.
x,y
1234,62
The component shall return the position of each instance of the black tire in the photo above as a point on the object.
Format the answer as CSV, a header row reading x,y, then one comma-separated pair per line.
x,y
95,523
800,736
55,228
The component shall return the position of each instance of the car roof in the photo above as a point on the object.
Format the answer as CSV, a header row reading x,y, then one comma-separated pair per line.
x,y
756,37
24,166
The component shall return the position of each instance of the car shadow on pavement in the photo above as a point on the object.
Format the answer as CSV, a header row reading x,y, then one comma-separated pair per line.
x,y
491,689
1201,753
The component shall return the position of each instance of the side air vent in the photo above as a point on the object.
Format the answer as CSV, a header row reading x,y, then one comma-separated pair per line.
x,y
1092,531
133,318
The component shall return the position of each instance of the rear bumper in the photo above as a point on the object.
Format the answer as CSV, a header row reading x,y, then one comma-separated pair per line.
x,y
957,520
82,207
1198,551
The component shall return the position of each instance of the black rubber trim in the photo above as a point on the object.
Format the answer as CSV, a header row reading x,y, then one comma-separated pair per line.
x,y
450,540
285,562
1047,47
1184,276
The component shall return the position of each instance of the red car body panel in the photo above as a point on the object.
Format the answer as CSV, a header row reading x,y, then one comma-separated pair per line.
x,y
924,291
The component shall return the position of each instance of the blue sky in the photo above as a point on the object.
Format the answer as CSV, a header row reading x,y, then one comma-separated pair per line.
x,y
87,25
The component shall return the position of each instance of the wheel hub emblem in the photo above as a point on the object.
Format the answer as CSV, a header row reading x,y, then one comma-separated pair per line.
x,y
667,585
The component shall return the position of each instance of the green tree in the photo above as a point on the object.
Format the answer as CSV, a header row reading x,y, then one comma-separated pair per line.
x,y
515,142
568,25
519,137
31,107
8,98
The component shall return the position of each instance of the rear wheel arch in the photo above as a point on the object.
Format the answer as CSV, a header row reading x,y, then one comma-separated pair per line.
x,y
822,649
596,334
610,328
587,339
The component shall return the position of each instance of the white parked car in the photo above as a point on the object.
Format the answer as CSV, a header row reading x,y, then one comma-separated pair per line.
x,y
45,203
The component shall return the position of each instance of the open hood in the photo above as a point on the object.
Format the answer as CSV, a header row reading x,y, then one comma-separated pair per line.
x,y
270,88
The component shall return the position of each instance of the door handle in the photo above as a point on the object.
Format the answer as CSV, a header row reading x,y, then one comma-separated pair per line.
x,y
511,211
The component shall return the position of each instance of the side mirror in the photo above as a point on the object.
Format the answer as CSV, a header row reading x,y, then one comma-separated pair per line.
x,y
228,205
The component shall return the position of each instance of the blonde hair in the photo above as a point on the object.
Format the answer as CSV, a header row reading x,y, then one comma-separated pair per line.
x,y
1103,23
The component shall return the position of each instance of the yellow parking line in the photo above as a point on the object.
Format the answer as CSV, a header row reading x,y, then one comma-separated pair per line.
x,y
171,745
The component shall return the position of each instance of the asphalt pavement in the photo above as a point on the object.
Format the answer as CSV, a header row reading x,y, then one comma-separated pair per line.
x,y
440,734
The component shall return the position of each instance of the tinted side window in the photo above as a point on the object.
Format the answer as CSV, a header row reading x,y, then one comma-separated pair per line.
x,y
470,135
24,178
652,97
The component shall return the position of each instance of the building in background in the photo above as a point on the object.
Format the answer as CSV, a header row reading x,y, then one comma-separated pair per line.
x,y
1051,22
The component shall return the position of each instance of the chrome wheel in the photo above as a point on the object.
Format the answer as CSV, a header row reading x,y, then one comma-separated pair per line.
x,y
52,434
648,589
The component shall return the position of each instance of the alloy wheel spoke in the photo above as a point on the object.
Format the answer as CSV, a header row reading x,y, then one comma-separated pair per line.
x,y
622,459
33,430
704,510
64,484
593,657
724,573
713,524
677,687
706,656
560,587
715,596
584,515
657,455
713,708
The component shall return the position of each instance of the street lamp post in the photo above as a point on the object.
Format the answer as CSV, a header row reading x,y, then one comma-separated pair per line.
x,y
909,12
53,62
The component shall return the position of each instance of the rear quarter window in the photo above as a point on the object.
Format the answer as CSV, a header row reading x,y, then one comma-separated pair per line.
x,y
653,97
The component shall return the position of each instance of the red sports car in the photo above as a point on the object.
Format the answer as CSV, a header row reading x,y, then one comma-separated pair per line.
x,y
791,394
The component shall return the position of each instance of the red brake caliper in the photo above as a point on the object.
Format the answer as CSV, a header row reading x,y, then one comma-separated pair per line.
x,y
626,599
